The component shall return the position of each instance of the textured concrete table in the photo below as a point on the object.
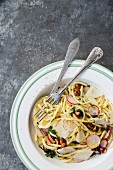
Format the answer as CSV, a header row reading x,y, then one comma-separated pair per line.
x,y
34,33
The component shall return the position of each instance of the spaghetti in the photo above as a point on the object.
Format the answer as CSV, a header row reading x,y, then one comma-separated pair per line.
x,y
79,126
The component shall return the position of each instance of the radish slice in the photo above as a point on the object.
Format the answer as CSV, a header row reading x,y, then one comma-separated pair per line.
x,y
104,143
82,155
108,133
71,100
80,136
89,125
86,89
102,150
43,131
66,150
93,141
50,139
93,110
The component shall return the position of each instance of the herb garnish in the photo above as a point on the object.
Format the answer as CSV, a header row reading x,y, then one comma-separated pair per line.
x,y
72,111
50,153
50,130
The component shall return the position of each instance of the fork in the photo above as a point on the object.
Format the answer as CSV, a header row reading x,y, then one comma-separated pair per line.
x,y
54,98
71,53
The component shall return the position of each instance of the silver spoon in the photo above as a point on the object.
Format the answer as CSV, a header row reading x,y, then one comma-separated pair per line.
x,y
71,53
94,55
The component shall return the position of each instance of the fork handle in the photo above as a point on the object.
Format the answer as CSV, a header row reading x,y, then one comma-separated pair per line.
x,y
71,52
94,55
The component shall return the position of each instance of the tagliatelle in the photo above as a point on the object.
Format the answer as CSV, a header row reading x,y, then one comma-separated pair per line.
x,y
80,125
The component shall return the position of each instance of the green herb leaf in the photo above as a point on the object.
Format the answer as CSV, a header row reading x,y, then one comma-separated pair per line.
x,y
50,153
52,130
79,98
71,114
72,111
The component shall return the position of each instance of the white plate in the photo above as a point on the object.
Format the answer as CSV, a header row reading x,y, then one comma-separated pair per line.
x,y
39,84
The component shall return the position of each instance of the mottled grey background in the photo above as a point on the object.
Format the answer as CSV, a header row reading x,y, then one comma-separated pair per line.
x,y
34,33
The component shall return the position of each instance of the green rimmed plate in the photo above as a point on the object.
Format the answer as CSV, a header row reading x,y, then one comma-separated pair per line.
x,y
39,84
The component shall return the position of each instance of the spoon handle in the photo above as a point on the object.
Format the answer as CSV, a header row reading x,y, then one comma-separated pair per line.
x,y
71,52
94,55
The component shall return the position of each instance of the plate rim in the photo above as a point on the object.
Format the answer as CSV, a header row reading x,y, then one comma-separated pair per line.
x,y
19,150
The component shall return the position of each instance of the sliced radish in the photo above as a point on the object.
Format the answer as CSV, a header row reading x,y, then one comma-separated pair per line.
x,y
108,133
43,131
66,150
71,100
102,150
50,139
93,141
93,110
89,125
86,89
82,155
104,143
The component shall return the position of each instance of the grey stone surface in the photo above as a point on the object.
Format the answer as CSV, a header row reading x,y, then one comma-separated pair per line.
x,y
34,33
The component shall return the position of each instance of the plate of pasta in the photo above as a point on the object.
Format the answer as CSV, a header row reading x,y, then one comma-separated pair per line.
x,y
77,133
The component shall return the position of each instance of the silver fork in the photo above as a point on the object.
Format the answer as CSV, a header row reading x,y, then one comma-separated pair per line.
x,y
54,98
71,53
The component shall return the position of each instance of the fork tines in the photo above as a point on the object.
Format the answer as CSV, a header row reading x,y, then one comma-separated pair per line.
x,y
40,113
